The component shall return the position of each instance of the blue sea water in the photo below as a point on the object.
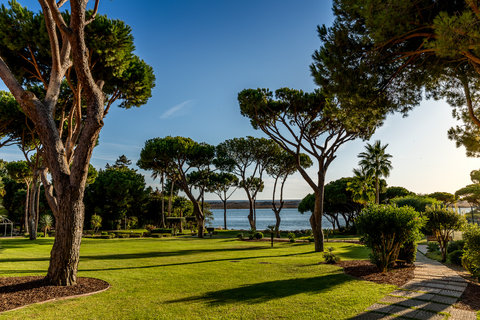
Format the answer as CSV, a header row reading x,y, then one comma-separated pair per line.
x,y
292,219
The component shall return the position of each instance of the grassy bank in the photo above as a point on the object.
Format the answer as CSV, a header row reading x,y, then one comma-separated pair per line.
x,y
178,278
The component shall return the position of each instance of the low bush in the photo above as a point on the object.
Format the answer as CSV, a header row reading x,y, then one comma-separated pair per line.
x,y
258,235
385,229
108,236
135,235
455,245
433,246
455,257
330,257
104,233
240,236
291,236
150,227
442,221
123,235
161,230
471,256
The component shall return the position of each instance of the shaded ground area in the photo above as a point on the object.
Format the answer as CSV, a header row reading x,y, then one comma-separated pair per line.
x,y
270,290
470,299
16,292
368,271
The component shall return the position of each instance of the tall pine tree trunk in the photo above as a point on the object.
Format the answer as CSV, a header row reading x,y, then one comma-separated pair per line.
x,y
224,214
27,203
197,211
277,222
32,210
163,202
64,256
37,205
250,216
317,215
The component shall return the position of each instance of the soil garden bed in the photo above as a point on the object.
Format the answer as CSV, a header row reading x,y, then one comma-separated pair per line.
x,y
470,299
366,270
18,292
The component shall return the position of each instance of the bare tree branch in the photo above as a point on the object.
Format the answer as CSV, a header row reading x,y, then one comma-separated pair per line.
x,y
94,14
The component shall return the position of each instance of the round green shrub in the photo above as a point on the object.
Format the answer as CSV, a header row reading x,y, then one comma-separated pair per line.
x,y
471,256
291,235
442,221
433,246
455,245
258,235
330,257
455,257
385,229
240,236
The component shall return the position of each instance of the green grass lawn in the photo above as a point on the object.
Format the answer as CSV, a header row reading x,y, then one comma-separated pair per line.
x,y
179,278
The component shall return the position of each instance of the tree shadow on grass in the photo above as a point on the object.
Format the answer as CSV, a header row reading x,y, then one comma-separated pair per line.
x,y
265,291
154,254
141,255
231,259
9,243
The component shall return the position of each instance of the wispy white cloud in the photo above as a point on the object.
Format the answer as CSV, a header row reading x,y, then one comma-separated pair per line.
x,y
175,109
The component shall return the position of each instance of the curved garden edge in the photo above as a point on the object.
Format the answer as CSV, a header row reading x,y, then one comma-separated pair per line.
x,y
48,299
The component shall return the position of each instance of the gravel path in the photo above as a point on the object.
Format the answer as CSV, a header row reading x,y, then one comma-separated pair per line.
x,y
430,295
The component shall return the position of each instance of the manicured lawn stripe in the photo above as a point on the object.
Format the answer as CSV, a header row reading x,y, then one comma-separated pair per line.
x,y
178,278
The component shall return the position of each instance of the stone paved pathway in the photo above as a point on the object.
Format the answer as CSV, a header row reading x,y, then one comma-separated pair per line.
x,y
429,295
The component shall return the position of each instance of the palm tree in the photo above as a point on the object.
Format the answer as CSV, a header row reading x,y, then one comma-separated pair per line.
x,y
376,162
46,223
361,186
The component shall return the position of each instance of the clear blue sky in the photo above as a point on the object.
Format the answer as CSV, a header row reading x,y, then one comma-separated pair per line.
x,y
205,52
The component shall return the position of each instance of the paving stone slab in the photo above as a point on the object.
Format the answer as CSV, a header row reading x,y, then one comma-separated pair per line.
x,y
431,284
401,311
379,307
455,288
391,299
451,293
415,287
443,299
373,316
413,294
424,305
463,284
425,315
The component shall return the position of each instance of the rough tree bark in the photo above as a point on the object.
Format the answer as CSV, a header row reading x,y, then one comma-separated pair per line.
x,y
163,201
27,203
251,221
67,163
225,212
